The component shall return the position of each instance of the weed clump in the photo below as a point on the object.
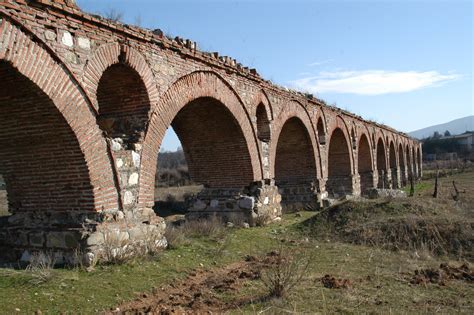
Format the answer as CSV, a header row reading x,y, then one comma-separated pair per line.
x,y
287,270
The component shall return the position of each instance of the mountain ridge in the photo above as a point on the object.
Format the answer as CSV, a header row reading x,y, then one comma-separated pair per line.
x,y
455,127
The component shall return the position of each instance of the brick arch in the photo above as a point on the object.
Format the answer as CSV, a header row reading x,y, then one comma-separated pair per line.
x,y
339,181
321,125
365,165
295,164
402,165
30,57
393,164
381,161
262,98
408,161
290,110
108,55
341,124
419,161
196,85
263,123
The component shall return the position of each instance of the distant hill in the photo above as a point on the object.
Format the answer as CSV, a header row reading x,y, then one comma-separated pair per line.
x,y
455,127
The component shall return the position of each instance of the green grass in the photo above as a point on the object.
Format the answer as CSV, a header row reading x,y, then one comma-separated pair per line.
x,y
420,187
379,277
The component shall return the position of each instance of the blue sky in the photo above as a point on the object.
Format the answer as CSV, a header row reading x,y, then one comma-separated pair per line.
x,y
405,63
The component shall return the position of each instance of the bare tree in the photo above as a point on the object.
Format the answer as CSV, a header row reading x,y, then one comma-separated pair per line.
x,y
113,15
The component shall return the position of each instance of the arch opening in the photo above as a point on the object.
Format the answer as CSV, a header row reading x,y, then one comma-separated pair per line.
x,y
263,124
401,163
214,145
321,131
381,165
393,166
365,165
43,167
339,165
295,167
123,103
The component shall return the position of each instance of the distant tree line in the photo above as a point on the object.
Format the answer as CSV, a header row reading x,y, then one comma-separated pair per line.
x,y
172,169
437,144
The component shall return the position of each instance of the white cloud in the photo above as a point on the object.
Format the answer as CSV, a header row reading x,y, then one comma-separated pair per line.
x,y
371,82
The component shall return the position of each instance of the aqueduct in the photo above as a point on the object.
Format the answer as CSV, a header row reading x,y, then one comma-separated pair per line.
x,y
85,103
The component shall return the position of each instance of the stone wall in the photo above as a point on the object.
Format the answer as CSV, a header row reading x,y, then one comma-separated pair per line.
x,y
259,202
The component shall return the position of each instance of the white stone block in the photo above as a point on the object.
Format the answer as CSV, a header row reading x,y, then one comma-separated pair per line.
x,y
136,159
84,43
128,198
67,39
133,179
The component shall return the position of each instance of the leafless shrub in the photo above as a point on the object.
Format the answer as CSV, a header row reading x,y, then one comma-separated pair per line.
x,y
287,270
41,267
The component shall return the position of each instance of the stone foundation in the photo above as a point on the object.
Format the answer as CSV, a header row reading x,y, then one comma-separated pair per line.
x,y
297,196
73,236
255,204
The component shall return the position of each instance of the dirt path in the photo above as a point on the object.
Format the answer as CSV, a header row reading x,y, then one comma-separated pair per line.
x,y
199,292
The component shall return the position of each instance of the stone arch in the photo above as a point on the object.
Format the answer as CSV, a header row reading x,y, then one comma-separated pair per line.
x,y
210,91
393,165
295,164
29,56
339,181
108,55
382,164
401,163
365,164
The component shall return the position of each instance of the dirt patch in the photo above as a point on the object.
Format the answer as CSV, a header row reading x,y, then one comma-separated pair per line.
x,y
331,282
201,291
443,275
